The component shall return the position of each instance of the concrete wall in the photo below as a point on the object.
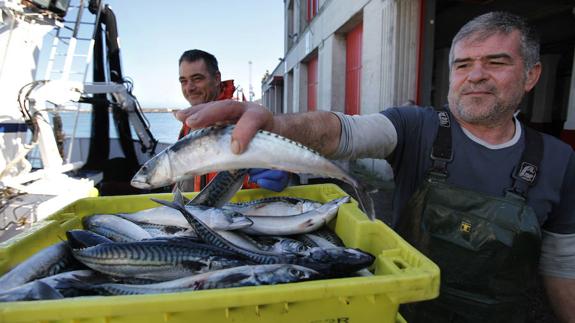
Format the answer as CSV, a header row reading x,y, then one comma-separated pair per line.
x,y
389,55
389,52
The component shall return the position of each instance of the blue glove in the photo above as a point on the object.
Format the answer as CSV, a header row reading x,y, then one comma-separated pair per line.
x,y
271,179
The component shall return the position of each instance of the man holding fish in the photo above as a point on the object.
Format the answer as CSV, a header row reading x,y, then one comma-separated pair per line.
x,y
201,82
486,198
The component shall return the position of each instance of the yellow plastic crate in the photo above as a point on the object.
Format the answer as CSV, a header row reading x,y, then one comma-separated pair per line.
x,y
402,275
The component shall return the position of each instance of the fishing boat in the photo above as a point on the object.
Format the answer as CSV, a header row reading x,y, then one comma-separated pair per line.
x,y
48,51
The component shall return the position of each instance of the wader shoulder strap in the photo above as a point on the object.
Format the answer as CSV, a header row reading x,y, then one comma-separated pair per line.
x,y
525,174
442,152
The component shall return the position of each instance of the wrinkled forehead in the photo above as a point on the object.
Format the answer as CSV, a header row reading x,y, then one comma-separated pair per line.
x,y
479,37
488,42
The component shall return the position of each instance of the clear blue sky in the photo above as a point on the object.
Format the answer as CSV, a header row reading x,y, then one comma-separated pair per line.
x,y
153,35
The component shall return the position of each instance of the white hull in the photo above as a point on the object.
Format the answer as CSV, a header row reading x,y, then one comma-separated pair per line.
x,y
49,192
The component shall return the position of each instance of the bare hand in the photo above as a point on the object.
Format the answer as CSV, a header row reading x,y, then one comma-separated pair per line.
x,y
248,117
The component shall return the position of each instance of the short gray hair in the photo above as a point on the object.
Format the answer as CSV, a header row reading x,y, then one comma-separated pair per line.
x,y
501,22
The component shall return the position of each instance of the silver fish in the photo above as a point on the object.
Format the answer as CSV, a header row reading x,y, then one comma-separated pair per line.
x,y
329,235
115,228
216,218
250,275
208,150
46,262
323,237
262,243
78,238
158,260
280,244
274,206
34,290
295,224
221,188
240,239
166,231
51,287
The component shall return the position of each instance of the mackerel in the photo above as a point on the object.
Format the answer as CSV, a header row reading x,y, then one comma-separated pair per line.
x,y
159,260
328,234
115,228
84,238
221,188
208,150
262,243
52,287
323,237
31,291
280,244
216,218
46,262
249,275
331,261
274,206
167,231
295,224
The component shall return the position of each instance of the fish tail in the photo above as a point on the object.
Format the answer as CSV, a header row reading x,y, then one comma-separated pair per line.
x,y
179,198
178,203
173,205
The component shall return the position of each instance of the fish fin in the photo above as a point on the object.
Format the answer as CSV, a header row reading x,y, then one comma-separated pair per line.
x,y
195,266
365,200
235,277
43,291
185,200
76,283
179,197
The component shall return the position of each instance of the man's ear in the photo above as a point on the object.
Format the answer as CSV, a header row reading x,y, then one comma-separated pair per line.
x,y
533,76
218,76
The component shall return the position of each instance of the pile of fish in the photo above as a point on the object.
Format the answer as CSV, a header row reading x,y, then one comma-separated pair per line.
x,y
204,243
183,246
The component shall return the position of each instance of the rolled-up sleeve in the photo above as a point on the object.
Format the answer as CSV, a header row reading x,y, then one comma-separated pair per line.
x,y
365,136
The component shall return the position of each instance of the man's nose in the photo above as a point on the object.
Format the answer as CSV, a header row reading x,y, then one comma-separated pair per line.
x,y
477,72
190,86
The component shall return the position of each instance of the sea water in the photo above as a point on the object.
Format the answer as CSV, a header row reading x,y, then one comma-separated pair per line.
x,y
163,125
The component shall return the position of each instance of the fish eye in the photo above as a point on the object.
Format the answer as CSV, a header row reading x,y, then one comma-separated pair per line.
x,y
296,272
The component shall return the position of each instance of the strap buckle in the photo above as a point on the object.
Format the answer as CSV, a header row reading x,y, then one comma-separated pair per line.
x,y
527,173
440,162
524,177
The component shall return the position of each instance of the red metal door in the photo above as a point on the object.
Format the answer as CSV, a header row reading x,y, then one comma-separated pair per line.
x,y
312,84
353,70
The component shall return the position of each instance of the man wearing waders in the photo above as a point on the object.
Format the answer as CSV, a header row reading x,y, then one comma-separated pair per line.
x,y
486,198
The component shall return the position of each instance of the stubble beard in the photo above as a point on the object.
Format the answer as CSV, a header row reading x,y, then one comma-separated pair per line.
x,y
206,97
479,111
